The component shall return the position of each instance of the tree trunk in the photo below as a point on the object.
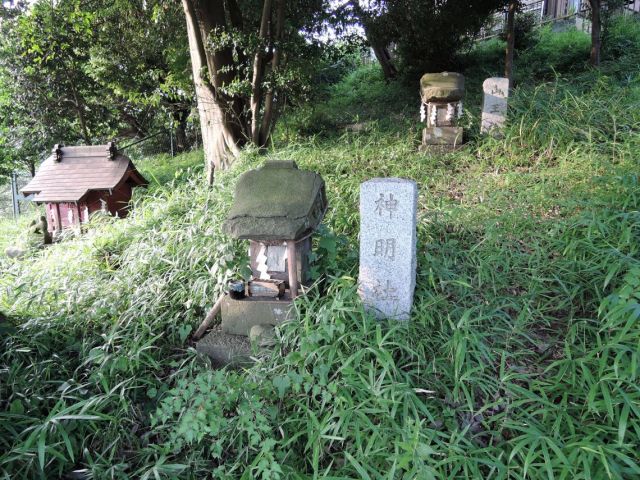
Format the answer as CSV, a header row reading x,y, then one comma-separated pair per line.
x,y
222,70
268,116
383,56
258,73
508,63
380,51
204,95
221,135
180,125
596,27
234,118
79,106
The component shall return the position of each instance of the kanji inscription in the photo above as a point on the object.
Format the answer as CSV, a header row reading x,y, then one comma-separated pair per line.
x,y
384,205
387,274
494,107
385,291
385,248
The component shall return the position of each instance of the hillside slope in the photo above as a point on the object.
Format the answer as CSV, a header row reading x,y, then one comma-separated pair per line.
x,y
520,359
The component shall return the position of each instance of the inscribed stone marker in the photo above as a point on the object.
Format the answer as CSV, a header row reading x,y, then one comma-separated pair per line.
x,y
388,246
494,108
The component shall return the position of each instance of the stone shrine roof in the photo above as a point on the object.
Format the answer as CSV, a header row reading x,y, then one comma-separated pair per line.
x,y
276,202
442,87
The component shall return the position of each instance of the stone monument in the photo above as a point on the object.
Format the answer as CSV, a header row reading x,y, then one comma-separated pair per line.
x,y
494,107
387,276
441,107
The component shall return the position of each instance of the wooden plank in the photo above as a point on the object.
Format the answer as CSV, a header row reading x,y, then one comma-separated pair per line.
x,y
292,259
266,288
56,214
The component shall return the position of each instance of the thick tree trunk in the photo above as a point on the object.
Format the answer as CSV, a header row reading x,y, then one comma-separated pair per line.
x,y
231,120
511,20
222,70
596,27
221,135
204,95
384,59
380,51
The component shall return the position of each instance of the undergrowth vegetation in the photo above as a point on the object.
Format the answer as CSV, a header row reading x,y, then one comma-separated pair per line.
x,y
520,360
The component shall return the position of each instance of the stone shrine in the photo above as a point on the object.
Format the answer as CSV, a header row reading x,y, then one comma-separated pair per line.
x,y
494,106
387,275
277,208
441,107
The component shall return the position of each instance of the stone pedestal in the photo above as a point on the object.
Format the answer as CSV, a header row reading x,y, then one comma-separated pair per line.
x,y
225,350
238,316
442,136
230,343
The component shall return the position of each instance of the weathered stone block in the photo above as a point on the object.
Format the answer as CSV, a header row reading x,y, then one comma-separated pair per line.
x,y
238,316
225,350
263,335
443,87
494,107
442,136
388,246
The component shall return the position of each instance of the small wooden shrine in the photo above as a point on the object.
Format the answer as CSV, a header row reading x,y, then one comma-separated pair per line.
x,y
74,182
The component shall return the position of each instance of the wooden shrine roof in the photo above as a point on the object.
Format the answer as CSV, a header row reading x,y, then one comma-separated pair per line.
x,y
80,170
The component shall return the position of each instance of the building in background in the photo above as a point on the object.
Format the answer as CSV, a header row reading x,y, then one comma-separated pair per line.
x,y
562,14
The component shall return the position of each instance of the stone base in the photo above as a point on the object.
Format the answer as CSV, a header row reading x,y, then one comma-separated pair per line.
x,y
439,149
225,350
442,136
238,316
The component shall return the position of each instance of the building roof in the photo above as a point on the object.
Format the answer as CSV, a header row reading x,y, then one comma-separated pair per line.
x,y
276,202
80,170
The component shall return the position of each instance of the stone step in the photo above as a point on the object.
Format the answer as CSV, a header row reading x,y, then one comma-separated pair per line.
x,y
225,350
238,316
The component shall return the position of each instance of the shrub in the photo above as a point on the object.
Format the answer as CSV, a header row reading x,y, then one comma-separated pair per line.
x,y
525,31
554,53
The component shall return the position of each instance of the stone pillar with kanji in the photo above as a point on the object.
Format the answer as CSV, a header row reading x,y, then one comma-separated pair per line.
x,y
387,275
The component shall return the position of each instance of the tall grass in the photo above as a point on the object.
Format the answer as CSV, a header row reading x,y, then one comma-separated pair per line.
x,y
520,360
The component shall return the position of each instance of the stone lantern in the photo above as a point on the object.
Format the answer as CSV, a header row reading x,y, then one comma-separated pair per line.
x,y
277,208
441,107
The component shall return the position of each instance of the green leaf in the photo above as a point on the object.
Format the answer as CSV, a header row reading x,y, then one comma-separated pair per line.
x,y
16,407
622,425
42,439
281,383
358,466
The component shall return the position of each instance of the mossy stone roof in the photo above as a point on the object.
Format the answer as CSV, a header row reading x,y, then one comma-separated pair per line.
x,y
442,87
276,202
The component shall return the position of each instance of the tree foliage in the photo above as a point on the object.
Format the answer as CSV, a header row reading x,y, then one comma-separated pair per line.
x,y
248,58
81,75
140,57
427,34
